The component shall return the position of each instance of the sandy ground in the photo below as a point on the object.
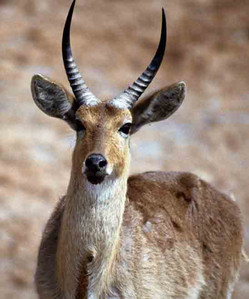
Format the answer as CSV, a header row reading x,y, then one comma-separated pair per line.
x,y
113,41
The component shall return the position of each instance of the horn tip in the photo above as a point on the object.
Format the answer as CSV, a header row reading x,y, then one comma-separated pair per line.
x,y
163,15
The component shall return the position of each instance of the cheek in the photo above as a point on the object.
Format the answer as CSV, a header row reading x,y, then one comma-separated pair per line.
x,y
82,148
119,154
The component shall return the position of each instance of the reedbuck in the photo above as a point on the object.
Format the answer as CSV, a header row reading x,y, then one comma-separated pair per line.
x,y
148,236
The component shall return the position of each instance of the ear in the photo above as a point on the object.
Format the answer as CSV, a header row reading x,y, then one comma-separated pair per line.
x,y
51,97
158,106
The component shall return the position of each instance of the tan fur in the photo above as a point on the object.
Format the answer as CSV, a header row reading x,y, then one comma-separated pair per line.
x,y
155,235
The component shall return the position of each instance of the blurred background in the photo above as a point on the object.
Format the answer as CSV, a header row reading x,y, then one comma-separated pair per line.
x,y
113,41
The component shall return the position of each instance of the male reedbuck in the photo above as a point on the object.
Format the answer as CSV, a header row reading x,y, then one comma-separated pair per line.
x,y
150,236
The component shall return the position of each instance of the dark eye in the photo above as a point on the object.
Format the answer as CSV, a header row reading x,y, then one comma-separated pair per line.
x,y
79,126
125,129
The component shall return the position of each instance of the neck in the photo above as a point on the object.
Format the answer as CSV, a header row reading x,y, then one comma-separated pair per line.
x,y
89,236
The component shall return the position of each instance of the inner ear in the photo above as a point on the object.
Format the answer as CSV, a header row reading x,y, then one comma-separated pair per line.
x,y
51,97
158,106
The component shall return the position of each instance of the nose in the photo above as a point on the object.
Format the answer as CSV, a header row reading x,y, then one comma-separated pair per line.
x,y
95,163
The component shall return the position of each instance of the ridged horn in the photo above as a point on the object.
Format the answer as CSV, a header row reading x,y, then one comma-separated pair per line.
x,y
128,98
82,93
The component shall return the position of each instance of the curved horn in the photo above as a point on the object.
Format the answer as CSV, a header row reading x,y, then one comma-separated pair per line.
x,y
82,93
128,98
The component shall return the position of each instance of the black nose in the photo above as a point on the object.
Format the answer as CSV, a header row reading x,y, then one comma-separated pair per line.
x,y
95,163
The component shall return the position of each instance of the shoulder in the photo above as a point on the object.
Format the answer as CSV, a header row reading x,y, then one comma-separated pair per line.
x,y
179,188
164,195
163,182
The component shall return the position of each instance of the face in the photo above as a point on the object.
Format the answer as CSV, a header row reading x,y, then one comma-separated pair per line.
x,y
102,147
103,130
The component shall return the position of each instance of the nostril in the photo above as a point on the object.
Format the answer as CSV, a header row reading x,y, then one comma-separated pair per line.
x,y
89,162
102,163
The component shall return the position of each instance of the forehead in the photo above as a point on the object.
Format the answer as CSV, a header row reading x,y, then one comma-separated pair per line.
x,y
103,113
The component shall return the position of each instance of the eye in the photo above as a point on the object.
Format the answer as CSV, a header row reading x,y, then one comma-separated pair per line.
x,y
125,129
79,125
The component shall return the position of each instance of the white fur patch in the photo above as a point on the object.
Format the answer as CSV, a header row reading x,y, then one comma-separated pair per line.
x,y
230,289
147,227
103,191
109,169
118,103
122,101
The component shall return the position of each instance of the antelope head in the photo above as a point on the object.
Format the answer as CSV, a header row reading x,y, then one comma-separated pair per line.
x,y
104,127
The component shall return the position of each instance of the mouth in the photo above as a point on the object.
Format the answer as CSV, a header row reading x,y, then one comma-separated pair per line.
x,y
95,177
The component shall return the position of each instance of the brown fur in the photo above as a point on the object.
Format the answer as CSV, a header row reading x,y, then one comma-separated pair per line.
x,y
175,227
155,235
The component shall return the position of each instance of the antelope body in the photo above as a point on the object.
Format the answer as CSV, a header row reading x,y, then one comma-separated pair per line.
x,y
155,235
